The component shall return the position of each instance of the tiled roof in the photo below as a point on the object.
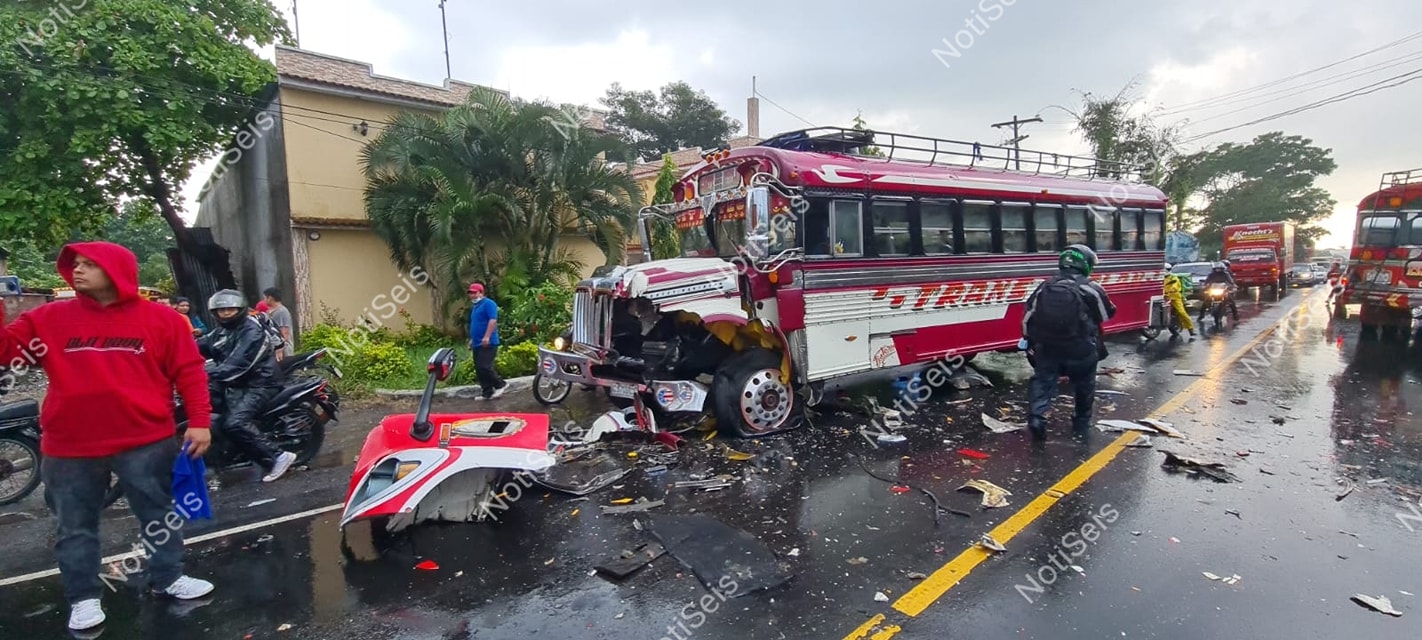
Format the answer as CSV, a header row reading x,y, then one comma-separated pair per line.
x,y
309,66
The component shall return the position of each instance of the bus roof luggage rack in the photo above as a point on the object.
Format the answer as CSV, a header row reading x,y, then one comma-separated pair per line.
x,y
938,152
1396,179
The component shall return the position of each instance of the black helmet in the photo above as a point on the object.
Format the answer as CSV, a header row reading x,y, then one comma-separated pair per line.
x,y
1079,258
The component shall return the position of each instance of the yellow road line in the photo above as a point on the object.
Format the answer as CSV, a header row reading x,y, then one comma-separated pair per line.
x,y
949,575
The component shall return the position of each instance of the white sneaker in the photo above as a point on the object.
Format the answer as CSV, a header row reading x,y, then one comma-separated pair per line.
x,y
86,614
186,588
500,391
283,462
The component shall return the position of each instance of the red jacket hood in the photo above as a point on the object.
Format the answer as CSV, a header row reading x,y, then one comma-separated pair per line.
x,y
117,261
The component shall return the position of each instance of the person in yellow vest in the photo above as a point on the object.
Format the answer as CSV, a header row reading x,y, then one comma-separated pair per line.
x,y
1175,293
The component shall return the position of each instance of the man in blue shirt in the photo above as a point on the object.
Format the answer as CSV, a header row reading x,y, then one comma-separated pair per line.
x,y
484,342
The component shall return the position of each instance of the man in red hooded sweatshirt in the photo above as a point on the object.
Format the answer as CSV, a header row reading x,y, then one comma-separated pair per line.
x,y
113,361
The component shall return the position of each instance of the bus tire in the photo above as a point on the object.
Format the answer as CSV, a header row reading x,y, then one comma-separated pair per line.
x,y
750,401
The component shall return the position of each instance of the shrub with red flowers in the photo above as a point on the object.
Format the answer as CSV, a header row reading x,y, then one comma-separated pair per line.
x,y
536,314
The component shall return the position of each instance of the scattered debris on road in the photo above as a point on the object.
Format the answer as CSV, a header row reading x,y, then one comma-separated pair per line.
x,y
857,561
1234,513
993,495
642,504
1349,487
260,503
1379,604
1239,401
427,565
630,562
1142,441
880,597
988,542
974,453
1234,579
998,426
1187,372
1213,470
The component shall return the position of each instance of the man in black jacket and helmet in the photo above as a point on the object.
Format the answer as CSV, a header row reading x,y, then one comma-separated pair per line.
x,y
242,379
1061,333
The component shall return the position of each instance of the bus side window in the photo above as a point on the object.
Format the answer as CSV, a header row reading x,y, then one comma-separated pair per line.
x,y
1014,227
1130,229
937,222
1104,224
1076,229
1044,218
1154,230
1416,228
847,227
977,226
891,228
816,227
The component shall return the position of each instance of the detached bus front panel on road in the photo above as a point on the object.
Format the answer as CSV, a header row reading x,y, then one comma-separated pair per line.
x,y
806,265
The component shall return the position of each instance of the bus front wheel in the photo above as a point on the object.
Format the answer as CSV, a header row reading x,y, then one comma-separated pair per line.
x,y
750,400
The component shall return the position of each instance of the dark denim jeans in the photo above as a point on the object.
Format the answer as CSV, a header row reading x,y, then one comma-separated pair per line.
x,y
77,487
484,370
1050,365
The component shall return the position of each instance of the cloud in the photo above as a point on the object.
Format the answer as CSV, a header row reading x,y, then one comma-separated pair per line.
x,y
825,65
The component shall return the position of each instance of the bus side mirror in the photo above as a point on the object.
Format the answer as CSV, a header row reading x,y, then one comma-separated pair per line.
x,y
758,221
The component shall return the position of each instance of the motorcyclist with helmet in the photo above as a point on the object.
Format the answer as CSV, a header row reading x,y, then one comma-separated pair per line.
x,y
243,377
1219,273
1062,336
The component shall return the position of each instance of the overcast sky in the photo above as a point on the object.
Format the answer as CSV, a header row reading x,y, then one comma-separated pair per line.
x,y
819,63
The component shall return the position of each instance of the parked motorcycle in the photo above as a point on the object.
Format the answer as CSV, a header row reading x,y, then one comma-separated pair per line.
x,y
19,450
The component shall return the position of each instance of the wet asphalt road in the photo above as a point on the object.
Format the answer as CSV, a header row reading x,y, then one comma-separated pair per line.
x,y
1141,536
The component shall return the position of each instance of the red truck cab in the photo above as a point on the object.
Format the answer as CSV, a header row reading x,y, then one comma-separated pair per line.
x,y
1260,254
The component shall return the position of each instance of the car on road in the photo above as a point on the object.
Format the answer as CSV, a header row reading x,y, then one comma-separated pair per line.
x,y
1303,275
1197,271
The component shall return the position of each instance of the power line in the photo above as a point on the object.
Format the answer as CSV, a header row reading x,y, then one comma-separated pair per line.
x,y
1347,95
1267,85
777,106
1302,89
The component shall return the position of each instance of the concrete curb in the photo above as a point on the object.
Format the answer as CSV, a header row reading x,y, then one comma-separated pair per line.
x,y
467,391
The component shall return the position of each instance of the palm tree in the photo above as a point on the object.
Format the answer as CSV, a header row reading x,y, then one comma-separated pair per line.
x,y
486,190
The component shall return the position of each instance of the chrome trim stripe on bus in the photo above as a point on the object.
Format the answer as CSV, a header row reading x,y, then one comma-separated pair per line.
x,y
873,276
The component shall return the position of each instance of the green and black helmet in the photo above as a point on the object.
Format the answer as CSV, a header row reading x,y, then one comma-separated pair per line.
x,y
1079,258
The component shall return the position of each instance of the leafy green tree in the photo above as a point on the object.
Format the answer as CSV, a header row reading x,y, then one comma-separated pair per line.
x,y
1116,134
34,267
653,124
485,191
870,150
1269,179
108,100
665,241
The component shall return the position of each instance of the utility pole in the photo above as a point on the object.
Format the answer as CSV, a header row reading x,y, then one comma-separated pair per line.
x,y
445,24
297,19
1016,148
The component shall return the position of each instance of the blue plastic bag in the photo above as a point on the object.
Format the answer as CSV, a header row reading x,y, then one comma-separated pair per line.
x,y
190,487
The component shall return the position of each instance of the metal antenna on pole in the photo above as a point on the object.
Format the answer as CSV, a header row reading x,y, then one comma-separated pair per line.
x,y
1016,148
297,19
445,24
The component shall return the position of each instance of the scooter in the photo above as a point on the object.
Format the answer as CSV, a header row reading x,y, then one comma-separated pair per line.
x,y
1162,317
451,466
19,450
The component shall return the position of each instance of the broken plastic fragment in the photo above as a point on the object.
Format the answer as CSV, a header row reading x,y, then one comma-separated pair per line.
x,y
998,426
857,561
1211,575
427,565
1379,604
993,495
899,489
914,575
892,437
793,553
285,627
880,597
988,542
622,501
732,454
974,453
1186,372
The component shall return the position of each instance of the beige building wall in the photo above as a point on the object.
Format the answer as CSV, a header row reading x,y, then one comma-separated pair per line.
x,y
350,273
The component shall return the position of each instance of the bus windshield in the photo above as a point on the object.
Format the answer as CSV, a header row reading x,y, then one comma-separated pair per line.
x,y
691,232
